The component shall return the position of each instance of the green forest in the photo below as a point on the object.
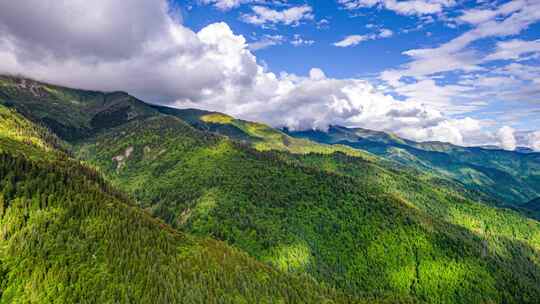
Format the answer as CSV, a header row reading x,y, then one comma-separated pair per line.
x,y
68,237
107,199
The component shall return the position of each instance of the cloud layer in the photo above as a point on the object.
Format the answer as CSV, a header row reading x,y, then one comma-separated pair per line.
x,y
162,61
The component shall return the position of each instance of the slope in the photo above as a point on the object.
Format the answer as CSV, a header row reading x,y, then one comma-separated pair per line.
x,y
68,237
533,207
348,222
257,135
70,113
513,178
360,236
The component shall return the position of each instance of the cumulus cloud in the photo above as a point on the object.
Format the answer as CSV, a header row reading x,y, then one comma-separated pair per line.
x,y
81,30
507,138
407,7
168,61
211,69
291,16
316,74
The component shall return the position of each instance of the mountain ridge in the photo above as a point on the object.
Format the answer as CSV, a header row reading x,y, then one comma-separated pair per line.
x,y
69,237
514,173
475,173
342,217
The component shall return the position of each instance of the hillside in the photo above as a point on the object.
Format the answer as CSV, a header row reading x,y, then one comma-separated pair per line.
x,y
347,220
70,113
513,178
68,237
498,182
533,207
352,233
257,135
507,178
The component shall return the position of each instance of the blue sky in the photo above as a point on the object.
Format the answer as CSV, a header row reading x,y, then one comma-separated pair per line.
x,y
369,58
465,72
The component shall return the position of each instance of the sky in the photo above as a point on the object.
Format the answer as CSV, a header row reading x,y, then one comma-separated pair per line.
x,y
458,71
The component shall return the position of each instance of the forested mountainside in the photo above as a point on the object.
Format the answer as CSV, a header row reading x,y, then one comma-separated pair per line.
x,y
338,215
533,207
511,177
68,237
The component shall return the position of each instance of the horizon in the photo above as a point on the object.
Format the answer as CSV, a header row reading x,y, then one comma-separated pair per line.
x,y
464,73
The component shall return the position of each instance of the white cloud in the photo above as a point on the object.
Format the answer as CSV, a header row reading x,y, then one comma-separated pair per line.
x,y
58,48
534,141
291,16
299,41
225,4
439,97
353,40
385,33
514,49
510,19
507,138
492,82
515,82
266,41
316,74
323,24
518,70
477,16
210,69
77,29
407,7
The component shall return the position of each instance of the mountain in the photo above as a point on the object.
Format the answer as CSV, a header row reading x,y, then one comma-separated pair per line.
x,y
68,237
347,220
257,135
511,177
533,207
70,113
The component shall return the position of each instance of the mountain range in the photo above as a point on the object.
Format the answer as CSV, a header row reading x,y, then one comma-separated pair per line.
x,y
505,178
511,177
107,198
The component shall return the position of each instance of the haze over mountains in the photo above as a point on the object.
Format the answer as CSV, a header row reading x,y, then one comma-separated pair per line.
x,y
108,199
